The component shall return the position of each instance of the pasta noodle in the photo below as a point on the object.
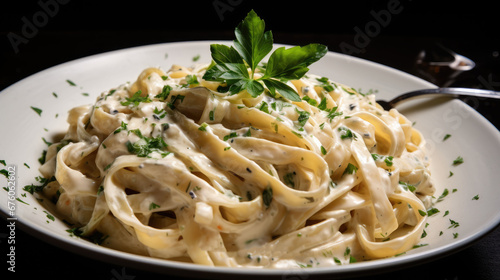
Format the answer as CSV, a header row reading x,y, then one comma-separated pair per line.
x,y
172,167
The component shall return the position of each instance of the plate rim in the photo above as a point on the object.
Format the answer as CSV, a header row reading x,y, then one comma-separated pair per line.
x,y
166,266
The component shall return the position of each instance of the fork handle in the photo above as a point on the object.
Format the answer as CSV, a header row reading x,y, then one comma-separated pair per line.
x,y
447,91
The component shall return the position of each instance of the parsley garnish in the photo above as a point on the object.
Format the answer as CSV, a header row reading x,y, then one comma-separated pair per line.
x,y
163,95
332,113
443,195
159,114
458,160
123,126
136,99
386,159
432,211
5,173
422,213
230,135
267,196
407,187
37,110
303,117
44,181
153,206
289,179
203,127
173,99
325,84
350,169
453,224
252,44
346,133
146,145
191,80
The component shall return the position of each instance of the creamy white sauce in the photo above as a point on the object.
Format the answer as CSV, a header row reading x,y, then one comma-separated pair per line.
x,y
215,179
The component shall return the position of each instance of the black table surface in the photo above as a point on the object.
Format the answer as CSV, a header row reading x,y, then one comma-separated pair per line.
x,y
395,33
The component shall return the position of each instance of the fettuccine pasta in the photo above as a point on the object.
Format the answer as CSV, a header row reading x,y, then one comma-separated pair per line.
x,y
170,166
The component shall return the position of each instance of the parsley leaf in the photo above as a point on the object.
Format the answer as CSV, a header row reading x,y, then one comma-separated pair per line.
x,y
153,206
251,41
252,44
350,169
267,196
458,160
136,99
37,110
147,145
291,64
346,133
165,92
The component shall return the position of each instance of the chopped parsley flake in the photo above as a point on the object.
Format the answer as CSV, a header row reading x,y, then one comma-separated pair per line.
x,y
422,213
386,159
419,245
264,107
267,196
159,114
5,173
443,195
325,84
203,127
458,160
230,135
123,126
147,145
453,224
136,99
165,92
191,80
173,99
49,216
289,179
37,110
44,181
346,133
432,211
332,113
407,187
153,206
303,117
310,100
323,150
350,169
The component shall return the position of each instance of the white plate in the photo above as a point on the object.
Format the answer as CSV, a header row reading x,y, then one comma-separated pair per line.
x,y
473,138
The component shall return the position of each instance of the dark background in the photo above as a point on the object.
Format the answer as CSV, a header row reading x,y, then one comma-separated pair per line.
x,y
71,29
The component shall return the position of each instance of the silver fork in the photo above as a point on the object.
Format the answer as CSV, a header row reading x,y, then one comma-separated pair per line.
x,y
445,91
